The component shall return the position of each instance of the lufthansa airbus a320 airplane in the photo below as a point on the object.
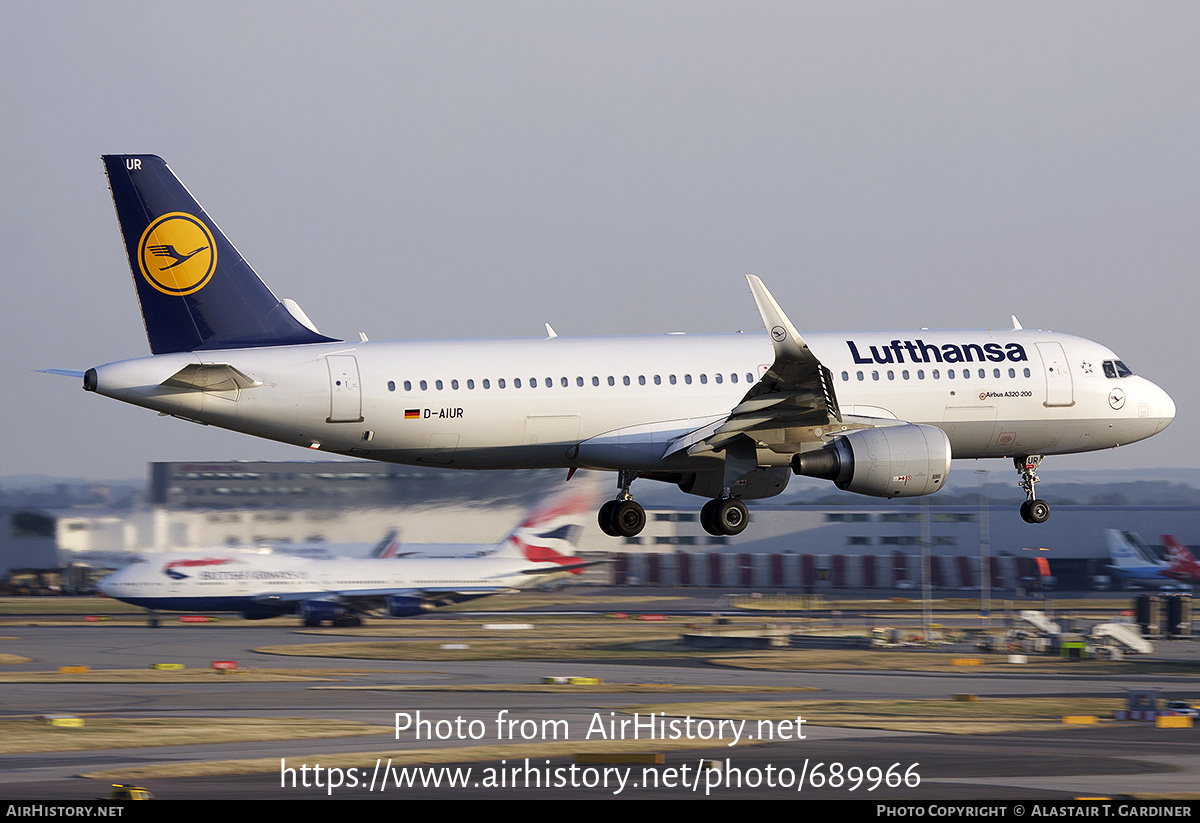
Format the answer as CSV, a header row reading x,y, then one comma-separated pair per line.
x,y
727,417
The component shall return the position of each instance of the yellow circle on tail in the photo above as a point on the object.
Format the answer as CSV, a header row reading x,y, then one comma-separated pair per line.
x,y
177,254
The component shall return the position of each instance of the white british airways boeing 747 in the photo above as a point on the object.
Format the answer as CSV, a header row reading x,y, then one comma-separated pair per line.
x,y
727,417
343,590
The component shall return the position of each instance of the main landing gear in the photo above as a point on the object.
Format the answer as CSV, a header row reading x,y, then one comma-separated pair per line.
x,y
1032,510
623,517
724,516
342,621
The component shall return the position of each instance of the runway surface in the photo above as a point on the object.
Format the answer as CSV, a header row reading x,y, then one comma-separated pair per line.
x,y
1110,759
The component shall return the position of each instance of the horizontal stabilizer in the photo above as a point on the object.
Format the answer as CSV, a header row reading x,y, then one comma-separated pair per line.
x,y
210,377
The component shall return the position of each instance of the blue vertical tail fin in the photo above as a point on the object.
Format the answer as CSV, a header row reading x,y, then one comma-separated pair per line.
x,y
195,289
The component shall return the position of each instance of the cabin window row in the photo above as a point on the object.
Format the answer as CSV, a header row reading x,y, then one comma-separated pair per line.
x,y
935,374
565,382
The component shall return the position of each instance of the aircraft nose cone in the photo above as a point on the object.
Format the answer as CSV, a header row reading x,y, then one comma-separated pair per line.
x,y
107,587
1166,409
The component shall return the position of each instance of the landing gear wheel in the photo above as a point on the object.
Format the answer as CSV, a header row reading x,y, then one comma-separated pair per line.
x,y
1035,511
731,516
1032,510
708,518
623,517
724,517
628,518
605,518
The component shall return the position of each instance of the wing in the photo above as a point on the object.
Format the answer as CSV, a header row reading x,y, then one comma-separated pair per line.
x,y
793,403
398,602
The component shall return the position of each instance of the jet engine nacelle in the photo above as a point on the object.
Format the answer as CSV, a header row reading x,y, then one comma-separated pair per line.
x,y
399,605
755,485
908,460
315,611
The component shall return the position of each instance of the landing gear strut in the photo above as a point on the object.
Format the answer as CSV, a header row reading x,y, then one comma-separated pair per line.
x,y
724,516
623,517
1032,510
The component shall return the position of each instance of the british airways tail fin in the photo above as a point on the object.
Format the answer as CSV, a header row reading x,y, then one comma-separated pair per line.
x,y
195,290
550,533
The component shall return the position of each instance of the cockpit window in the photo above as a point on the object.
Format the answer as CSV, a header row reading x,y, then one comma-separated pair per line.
x,y
1115,368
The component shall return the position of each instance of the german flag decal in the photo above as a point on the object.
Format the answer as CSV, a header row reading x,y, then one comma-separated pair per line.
x,y
412,414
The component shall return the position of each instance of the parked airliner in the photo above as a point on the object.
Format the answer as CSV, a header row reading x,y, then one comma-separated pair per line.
x,y
343,590
1136,564
727,417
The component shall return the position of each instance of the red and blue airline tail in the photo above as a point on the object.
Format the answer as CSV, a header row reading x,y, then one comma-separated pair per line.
x,y
550,533
195,290
388,547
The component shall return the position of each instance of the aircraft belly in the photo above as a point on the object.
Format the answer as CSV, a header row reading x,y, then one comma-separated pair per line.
x,y
970,429
639,446
1025,436
211,603
289,417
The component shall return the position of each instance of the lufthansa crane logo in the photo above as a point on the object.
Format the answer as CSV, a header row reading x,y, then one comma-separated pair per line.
x,y
177,254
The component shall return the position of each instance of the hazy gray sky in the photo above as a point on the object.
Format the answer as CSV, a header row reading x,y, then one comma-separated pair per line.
x,y
476,169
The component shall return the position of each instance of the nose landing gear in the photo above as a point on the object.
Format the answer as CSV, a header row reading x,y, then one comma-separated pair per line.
x,y
1032,510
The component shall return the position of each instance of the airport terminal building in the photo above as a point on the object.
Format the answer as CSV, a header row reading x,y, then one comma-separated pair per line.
x,y
790,543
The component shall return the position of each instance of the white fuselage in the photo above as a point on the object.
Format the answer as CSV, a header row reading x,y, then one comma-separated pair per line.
x,y
619,402
228,581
